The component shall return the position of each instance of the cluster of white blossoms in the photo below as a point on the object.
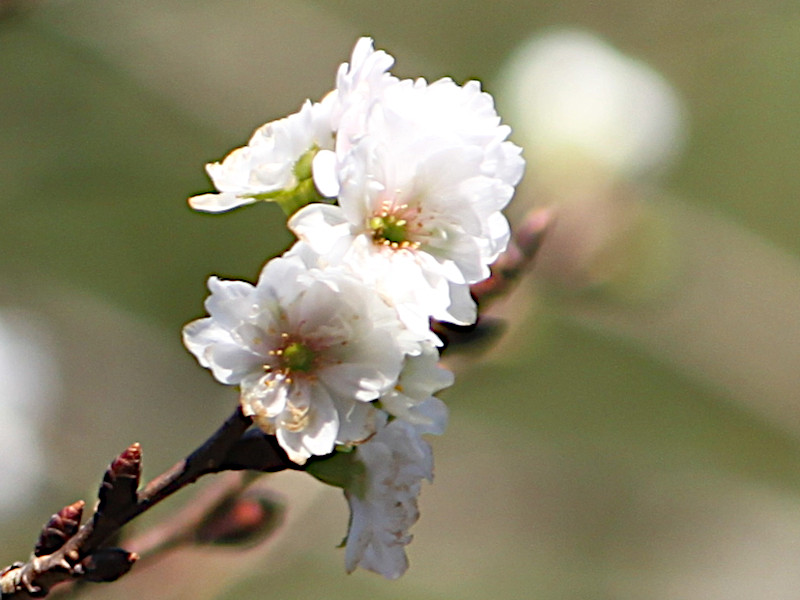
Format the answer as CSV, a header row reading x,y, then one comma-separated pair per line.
x,y
394,190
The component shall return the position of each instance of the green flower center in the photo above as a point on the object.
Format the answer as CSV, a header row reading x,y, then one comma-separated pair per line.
x,y
389,229
298,357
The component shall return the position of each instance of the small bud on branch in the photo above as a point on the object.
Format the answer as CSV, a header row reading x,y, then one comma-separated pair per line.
x,y
106,564
60,528
120,482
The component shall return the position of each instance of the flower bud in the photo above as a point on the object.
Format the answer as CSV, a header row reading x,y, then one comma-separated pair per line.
x,y
60,528
121,481
107,564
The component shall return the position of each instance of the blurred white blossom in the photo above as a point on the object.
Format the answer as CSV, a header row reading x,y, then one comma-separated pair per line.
x,y
28,376
573,98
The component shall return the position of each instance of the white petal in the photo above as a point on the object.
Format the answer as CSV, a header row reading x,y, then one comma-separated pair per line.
x,y
396,459
201,334
325,173
462,309
231,363
431,416
292,443
266,164
319,436
357,421
217,203
362,382
265,395
321,226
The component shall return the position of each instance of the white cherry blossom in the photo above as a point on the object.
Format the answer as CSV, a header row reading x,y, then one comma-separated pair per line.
x,y
268,164
420,195
332,346
311,349
359,84
383,501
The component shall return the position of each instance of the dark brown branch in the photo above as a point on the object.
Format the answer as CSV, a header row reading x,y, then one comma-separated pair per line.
x,y
257,451
66,554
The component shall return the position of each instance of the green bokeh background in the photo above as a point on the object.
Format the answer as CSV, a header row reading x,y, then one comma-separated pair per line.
x,y
580,462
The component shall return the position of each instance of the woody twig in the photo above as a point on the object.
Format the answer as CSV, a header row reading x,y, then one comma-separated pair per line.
x,y
67,551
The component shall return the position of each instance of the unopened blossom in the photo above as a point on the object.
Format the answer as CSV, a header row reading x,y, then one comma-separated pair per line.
x,y
383,501
420,197
311,349
276,160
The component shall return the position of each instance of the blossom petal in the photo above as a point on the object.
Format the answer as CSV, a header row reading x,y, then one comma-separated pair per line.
x,y
217,203
322,226
396,459
325,173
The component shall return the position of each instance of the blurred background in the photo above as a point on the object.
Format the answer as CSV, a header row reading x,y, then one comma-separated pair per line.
x,y
636,434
